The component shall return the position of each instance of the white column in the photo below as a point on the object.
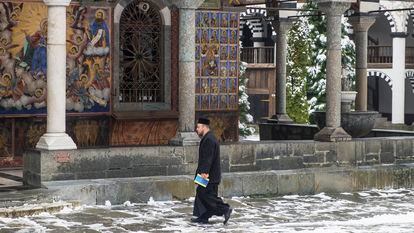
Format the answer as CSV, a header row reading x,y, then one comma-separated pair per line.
x,y
398,79
56,137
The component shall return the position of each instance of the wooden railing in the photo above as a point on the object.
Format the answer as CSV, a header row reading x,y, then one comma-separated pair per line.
x,y
383,54
376,54
379,54
409,55
257,55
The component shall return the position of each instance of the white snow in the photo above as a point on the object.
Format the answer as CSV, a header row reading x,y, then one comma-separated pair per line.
x,y
378,211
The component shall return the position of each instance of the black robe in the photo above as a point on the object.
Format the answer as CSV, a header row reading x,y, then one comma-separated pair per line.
x,y
206,202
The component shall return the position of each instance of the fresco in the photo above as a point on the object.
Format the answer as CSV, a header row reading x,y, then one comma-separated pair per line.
x,y
217,64
23,58
223,124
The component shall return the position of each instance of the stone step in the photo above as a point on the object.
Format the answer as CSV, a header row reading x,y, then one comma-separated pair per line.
x,y
33,209
381,122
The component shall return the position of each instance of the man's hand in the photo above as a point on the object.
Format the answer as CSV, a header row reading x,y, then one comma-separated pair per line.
x,y
204,175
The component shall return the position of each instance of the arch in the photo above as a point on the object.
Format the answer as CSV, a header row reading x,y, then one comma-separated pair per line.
x,y
379,74
410,75
256,24
161,49
248,24
412,19
390,19
164,10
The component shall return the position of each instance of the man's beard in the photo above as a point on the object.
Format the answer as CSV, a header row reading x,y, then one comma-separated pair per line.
x,y
200,134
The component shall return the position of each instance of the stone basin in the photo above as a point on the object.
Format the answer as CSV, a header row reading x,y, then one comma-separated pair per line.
x,y
355,123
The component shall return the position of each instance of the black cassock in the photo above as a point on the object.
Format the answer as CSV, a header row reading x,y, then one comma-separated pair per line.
x,y
207,203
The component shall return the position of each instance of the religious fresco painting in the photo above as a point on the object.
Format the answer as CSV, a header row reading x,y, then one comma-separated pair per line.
x,y
23,59
88,59
217,63
217,70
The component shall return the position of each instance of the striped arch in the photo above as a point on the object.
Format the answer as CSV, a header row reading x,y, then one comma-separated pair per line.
x,y
390,19
412,19
248,24
255,25
379,74
410,75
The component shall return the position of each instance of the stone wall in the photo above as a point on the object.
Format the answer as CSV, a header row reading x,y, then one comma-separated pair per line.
x,y
41,166
301,181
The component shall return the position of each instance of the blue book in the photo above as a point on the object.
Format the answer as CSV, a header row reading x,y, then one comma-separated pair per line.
x,y
201,181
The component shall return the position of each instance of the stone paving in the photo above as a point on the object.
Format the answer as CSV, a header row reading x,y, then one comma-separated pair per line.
x,y
371,211
10,178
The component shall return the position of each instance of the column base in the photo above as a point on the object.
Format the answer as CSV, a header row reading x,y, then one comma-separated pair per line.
x,y
280,118
185,139
330,134
56,141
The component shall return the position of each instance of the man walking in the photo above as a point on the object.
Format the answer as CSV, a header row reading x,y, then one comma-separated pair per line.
x,y
207,203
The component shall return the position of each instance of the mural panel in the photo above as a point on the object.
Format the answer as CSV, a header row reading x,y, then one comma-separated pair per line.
x,y
23,58
224,125
154,132
217,49
217,71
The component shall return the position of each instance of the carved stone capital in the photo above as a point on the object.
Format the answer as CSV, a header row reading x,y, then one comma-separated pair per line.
x,y
361,23
282,25
334,7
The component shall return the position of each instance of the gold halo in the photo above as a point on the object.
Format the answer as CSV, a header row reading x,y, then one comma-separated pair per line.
x,y
17,9
74,48
78,38
100,11
83,78
7,76
38,92
4,41
14,15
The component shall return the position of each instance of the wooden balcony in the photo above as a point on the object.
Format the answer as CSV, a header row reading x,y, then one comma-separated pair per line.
x,y
258,55
381,56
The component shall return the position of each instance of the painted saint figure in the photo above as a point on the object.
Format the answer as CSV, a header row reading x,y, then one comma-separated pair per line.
x,y
35,49
98,36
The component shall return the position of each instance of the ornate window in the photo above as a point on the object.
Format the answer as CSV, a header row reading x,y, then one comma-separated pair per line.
x,y
140,54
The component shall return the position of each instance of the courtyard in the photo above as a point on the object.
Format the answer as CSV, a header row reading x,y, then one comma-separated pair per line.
x,y
369,211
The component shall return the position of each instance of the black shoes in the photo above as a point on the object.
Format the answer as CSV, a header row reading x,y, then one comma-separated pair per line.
x,y
205,221
199,220
227,216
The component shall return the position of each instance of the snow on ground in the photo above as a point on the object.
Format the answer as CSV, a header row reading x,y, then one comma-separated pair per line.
x,y
254,137
370,211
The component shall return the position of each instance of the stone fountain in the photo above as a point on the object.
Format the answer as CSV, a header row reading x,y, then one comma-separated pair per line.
x,y
355,123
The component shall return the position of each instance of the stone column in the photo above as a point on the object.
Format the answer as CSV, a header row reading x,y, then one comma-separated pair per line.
x,y
333,130
282,28
55,137
398,77
186,106
361,24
